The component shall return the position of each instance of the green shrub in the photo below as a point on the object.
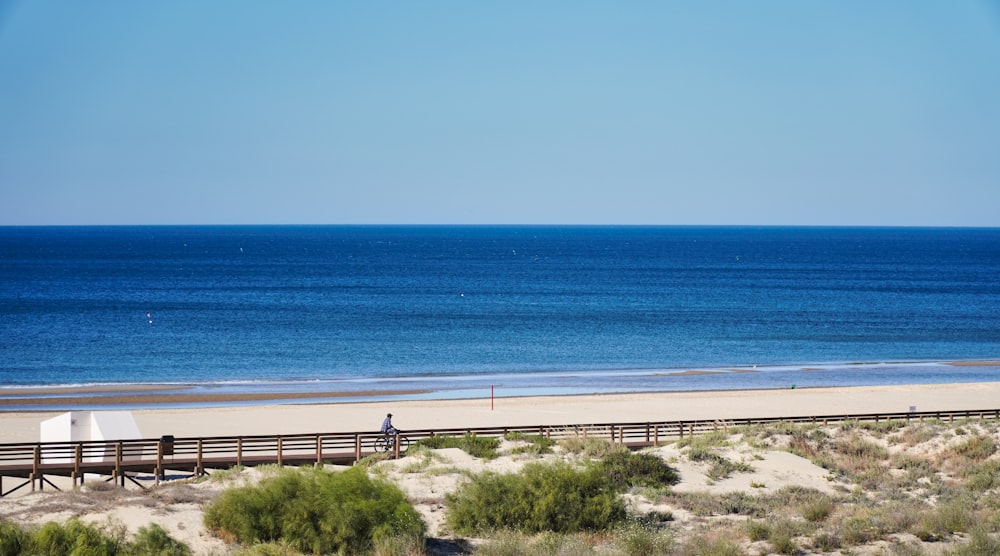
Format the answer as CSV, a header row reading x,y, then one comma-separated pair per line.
x,y
976,448
702,453
861,449
398,546
892,425
628,469
758,530
152,540
505,544
589,446
827,541
916,468
721,467
729,503
227,475
951,517
316,511
711,545
817,510
917,434
636,539
653,517
13,539
482,447
980,542
782,542
858,529
536,443
509,543
714,439
557,497
873,478
266,549
983,476
371,461
75,537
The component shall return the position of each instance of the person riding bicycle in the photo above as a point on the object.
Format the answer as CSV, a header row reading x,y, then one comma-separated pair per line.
x,y
387,428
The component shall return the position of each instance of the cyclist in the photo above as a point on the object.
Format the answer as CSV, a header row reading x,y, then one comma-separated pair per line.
x,y
387,428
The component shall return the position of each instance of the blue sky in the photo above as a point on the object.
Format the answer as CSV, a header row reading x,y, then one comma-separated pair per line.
x,y
457,112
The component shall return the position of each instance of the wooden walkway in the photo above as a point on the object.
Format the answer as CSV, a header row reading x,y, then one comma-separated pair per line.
x,y
30,464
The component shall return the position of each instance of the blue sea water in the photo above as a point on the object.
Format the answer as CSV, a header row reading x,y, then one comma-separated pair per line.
x,y
528,310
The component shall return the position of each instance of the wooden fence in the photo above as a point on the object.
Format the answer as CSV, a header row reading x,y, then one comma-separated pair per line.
x,y
121,460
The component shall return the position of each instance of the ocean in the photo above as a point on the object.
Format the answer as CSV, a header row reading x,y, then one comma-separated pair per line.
x,y
425,312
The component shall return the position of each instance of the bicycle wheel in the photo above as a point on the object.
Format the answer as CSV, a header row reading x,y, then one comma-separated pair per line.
x,y
382,444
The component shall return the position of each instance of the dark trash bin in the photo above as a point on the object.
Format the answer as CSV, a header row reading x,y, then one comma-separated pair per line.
x,y
167,445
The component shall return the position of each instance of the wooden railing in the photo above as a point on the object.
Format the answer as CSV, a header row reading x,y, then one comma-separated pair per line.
x,y
122,460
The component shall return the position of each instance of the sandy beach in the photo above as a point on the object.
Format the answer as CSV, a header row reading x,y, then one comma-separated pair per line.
x,y
544,410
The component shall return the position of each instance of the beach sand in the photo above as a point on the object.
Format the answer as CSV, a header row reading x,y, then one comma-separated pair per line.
x,y
348,416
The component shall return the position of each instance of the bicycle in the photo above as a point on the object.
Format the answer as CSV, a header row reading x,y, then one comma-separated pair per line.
x,y
386,443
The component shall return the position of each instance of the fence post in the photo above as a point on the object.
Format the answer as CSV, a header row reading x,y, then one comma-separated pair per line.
x,y
199,467
77,460
35,470
118,463
239,451
281,460
159,462
319,449
357,448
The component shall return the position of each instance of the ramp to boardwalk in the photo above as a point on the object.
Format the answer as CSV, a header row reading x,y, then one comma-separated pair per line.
x,y
87,426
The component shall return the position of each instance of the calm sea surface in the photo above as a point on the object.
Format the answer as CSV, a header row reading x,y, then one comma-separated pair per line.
x,y
529,310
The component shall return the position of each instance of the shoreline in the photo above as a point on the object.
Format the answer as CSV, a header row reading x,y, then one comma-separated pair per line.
x,y
179,395
362,416
130,397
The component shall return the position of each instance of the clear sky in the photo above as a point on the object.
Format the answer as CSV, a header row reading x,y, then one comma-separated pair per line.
x,y
467,112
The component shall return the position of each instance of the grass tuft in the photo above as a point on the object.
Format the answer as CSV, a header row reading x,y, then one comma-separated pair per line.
x,y
482,447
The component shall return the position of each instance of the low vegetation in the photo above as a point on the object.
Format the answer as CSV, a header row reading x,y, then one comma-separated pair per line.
x,y
893,488
628,469
534,444
77,537
591,447
477,446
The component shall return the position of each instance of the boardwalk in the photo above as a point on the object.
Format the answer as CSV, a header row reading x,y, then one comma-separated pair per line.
x,y
30,464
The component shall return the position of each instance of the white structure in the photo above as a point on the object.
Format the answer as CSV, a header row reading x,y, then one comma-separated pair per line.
x,y
83,426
